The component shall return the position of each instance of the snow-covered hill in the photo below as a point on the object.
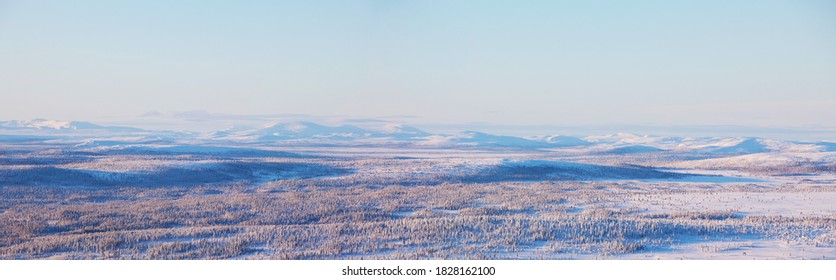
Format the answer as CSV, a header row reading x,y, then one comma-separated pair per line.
x,y
300,130
762,160
53,125
633,149
399,132
54,128
479,139
562,141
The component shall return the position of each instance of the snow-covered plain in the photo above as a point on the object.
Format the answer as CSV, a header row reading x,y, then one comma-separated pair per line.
x,y
303,190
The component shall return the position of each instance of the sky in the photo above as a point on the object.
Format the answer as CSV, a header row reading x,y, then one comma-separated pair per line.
x,y
578,63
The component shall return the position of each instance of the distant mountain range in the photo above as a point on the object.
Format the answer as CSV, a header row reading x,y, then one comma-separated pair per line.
x,y
42,124
303,131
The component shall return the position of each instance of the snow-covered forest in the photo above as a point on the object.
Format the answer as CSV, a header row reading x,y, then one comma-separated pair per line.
x,y
309,191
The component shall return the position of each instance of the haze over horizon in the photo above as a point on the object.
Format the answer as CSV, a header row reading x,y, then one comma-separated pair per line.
x,y
526,63
211,123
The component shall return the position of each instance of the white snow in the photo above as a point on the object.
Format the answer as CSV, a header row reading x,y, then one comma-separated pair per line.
x,y
760,160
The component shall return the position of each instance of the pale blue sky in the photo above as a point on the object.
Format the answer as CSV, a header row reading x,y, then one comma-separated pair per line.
x,y
505,62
